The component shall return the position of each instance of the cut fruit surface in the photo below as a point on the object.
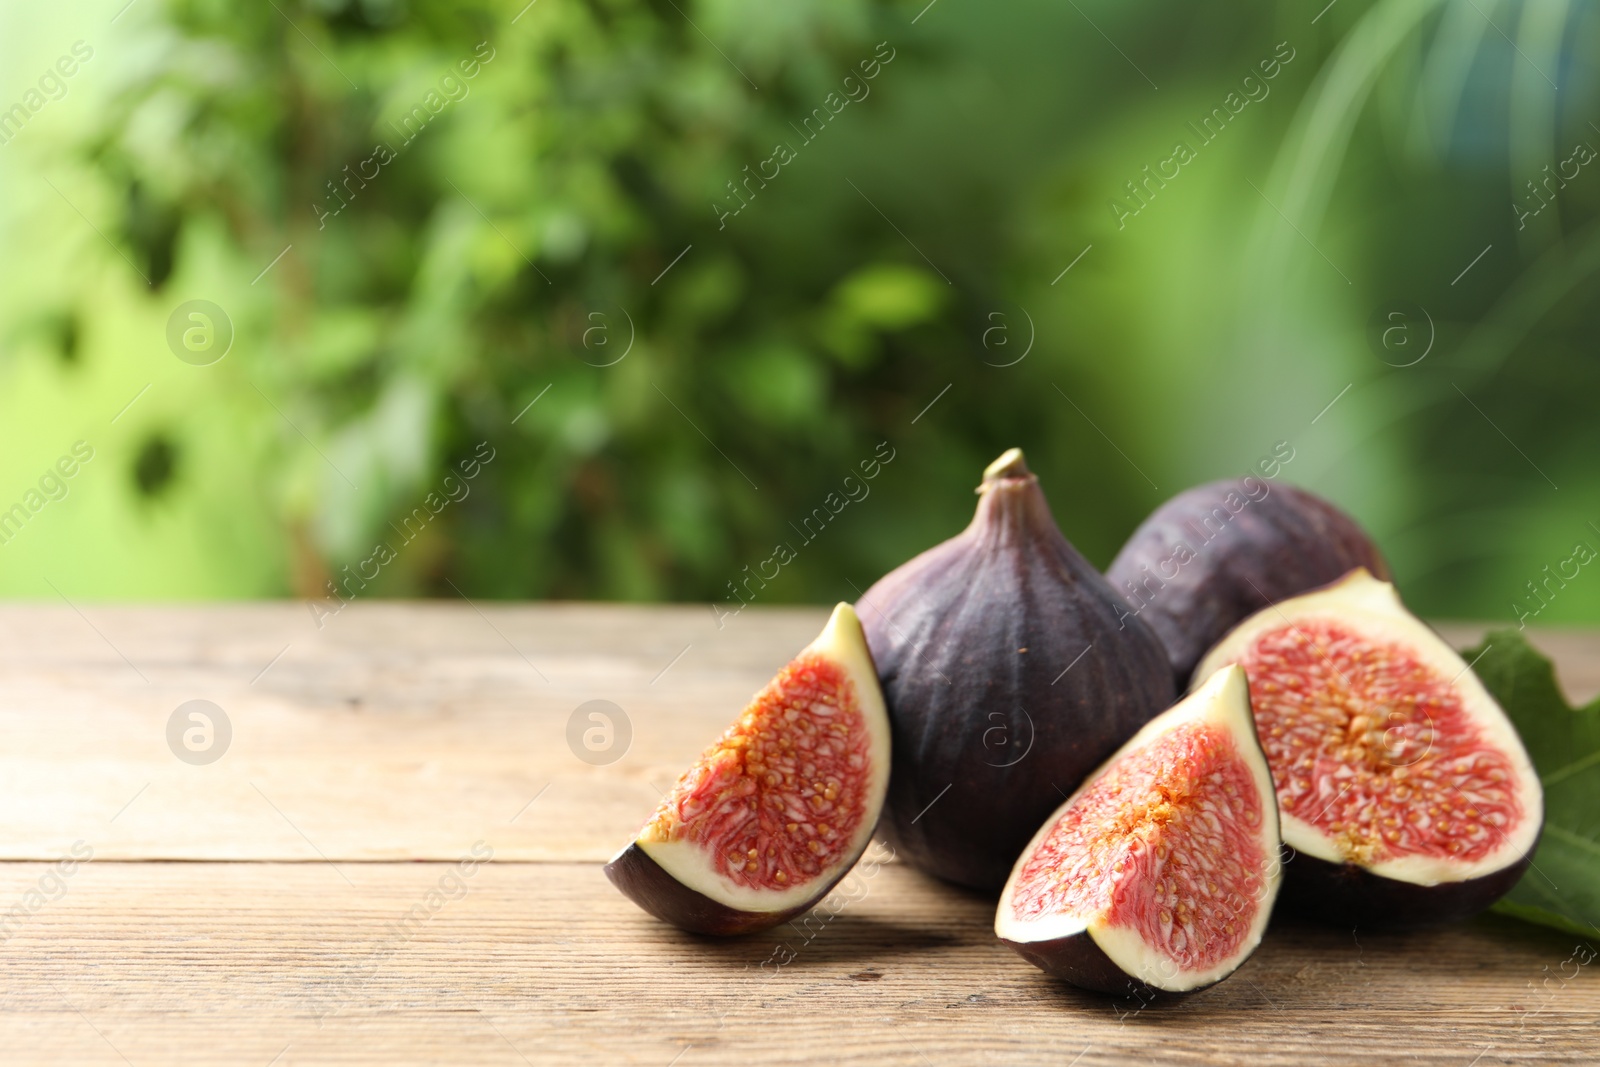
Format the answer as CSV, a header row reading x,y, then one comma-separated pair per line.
x,y
780,807
1159,873
780,797
1389,757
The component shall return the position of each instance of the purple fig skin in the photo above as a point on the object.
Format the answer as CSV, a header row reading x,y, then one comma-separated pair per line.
x,y
1343,894
1011,670
1275,546
1078,961
643,881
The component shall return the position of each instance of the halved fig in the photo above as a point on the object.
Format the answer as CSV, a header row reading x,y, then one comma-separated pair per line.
x,y
781,807
1407,796
1158,875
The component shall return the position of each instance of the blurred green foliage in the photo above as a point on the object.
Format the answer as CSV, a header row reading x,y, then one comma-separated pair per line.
x,y
508,236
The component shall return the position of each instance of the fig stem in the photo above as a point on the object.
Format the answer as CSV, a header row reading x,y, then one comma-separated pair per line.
x,y
1009,465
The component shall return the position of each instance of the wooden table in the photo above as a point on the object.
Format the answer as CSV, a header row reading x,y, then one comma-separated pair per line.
x,y
302,899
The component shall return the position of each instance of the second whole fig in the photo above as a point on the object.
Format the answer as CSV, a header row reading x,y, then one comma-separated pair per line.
x,y
1214,555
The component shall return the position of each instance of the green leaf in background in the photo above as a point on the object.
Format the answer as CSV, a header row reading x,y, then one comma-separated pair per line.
x,y
1563,888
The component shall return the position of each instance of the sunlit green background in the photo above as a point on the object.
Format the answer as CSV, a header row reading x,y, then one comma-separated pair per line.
x,y
531,231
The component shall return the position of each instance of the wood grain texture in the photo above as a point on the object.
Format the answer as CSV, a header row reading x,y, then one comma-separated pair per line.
x,y
402,732
395,731
163,963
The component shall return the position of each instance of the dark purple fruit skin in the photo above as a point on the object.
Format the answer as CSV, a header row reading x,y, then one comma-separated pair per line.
x,y
988,739
1275,546
1078,961
1343,894
643,881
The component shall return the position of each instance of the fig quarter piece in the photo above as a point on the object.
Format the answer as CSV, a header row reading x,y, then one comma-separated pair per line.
x,y
1407,796
780,807
1159,874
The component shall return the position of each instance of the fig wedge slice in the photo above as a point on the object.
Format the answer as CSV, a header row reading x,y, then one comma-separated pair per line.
x,y
1158,875
1407,796
779,809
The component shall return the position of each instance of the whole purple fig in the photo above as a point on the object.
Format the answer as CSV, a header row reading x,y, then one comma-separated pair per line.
x,y
1011,670
1218,553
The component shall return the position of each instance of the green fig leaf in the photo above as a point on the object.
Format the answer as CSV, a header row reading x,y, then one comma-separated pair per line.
x,y
1562,888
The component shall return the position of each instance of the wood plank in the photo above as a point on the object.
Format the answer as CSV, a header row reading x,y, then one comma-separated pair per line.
x,y
395,731
178,963
398,731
